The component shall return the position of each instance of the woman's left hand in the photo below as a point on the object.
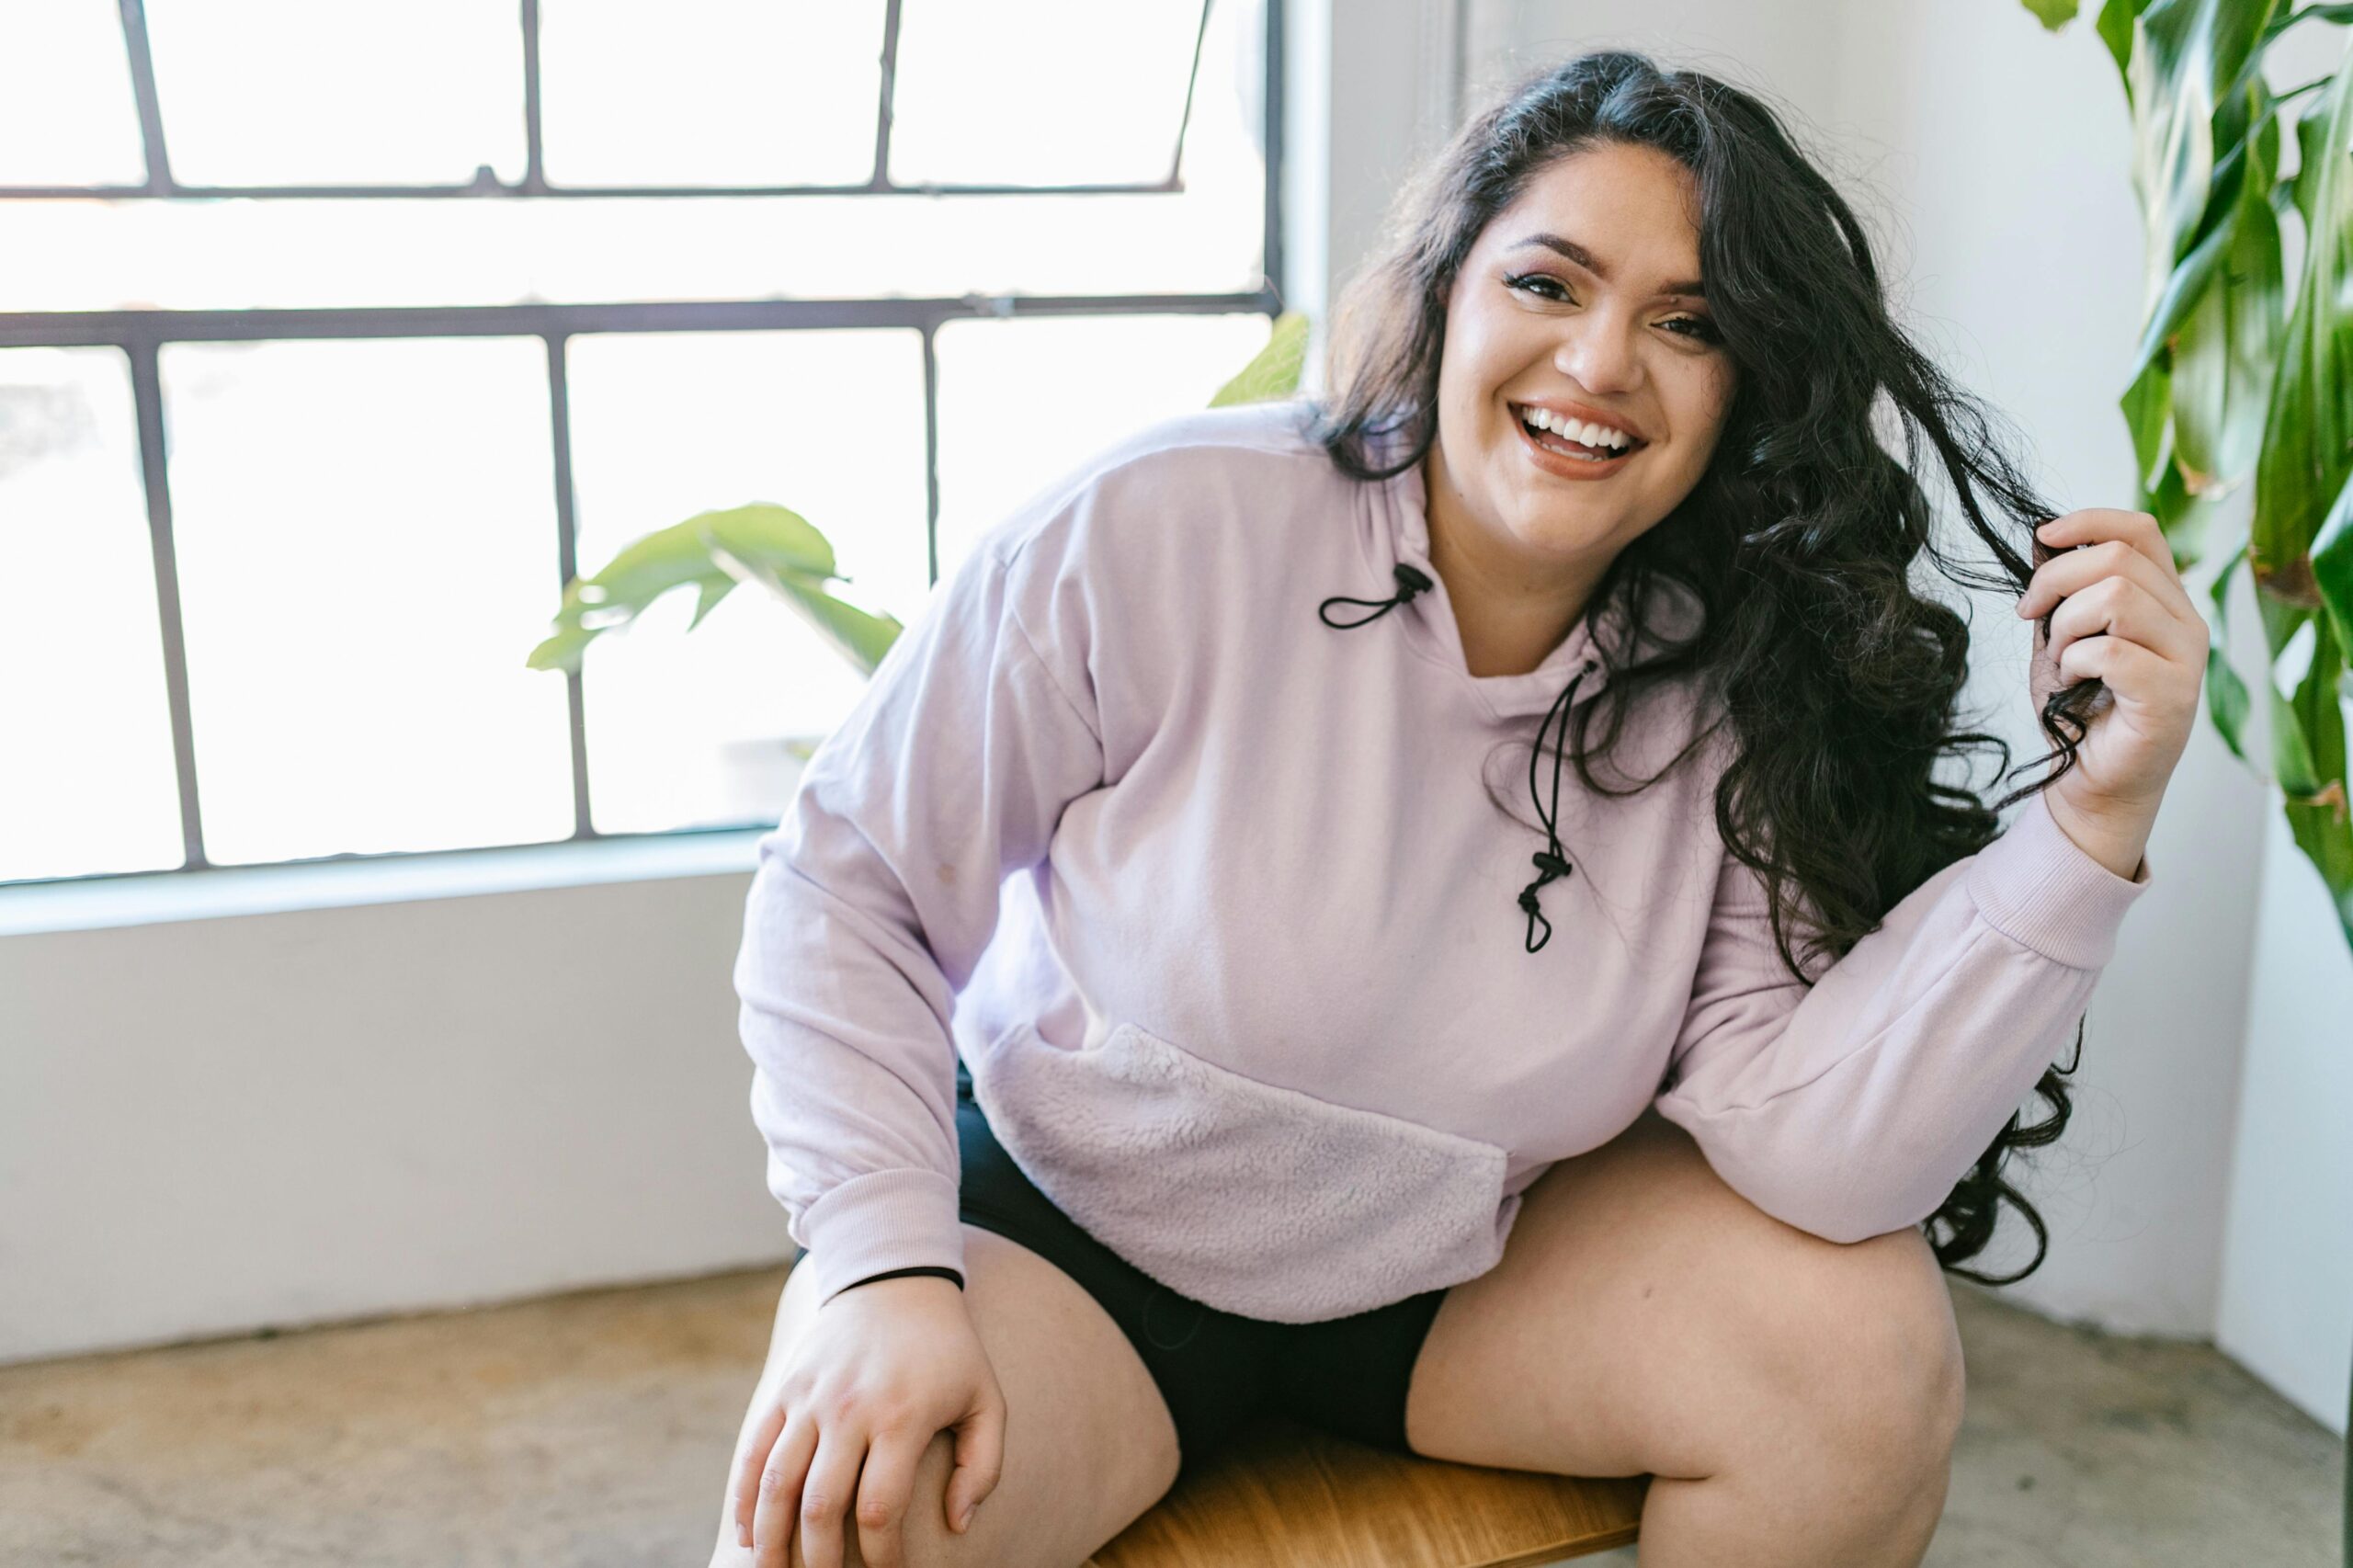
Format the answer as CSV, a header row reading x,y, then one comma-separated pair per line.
x,y
2119,612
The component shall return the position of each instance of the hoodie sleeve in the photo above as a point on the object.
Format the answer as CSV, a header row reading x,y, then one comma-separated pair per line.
x,y
1850,1107
877,892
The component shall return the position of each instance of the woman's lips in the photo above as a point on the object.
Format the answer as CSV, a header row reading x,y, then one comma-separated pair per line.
x,y
1568,466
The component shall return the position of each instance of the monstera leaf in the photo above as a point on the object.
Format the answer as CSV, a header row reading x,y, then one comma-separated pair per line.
x,y
780,551
712,552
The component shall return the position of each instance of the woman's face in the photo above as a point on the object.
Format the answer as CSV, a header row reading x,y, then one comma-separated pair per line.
x,y
1584,291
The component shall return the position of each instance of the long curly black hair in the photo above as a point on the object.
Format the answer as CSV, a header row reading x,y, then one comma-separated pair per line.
x,y
1838,683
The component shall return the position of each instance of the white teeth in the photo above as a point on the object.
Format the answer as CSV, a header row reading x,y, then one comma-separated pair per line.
x,y
1579,430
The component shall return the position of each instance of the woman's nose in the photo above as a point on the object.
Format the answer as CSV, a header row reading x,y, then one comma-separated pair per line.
x,y
1597,352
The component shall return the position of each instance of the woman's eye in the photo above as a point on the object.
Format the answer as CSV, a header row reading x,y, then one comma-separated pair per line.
x,y
1699,328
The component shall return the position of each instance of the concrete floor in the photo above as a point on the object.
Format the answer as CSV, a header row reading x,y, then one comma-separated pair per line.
x,y
594,1429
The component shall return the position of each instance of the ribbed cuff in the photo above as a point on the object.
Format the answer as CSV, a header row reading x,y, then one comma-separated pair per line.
x,y
881,1220
2040,887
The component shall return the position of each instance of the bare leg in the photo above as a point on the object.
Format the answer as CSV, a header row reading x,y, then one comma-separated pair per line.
x,y
1796,1399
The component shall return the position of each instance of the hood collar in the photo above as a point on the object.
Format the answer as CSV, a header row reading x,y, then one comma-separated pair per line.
x,y
1399,532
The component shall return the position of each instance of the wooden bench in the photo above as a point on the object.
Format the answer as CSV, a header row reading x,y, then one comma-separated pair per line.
x,y
1284,1496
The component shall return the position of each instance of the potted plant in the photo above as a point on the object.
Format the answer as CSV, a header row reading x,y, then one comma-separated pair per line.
x,y
2234,379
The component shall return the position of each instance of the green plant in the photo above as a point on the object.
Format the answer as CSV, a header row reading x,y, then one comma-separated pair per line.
x,y
712,552
2232,381
782,552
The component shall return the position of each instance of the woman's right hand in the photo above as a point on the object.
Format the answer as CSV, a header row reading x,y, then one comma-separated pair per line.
x,y
881,1368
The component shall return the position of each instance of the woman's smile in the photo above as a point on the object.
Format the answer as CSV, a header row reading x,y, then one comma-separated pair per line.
x,y
1567,454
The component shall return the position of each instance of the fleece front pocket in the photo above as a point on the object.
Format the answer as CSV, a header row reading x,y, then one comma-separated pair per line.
x,y
1255,1199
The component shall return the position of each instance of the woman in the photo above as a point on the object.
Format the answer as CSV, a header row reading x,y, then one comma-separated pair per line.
x,y
1645,1165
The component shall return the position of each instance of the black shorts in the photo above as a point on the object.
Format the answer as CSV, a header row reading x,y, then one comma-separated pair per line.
x,y
1215,1370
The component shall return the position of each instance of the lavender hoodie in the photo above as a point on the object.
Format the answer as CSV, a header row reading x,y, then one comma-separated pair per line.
x,y
1211,899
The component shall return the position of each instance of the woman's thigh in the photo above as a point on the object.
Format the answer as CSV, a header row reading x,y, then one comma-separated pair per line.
x,y
1088,1441
1646,1319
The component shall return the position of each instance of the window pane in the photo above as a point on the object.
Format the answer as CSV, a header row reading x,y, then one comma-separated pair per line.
x,y
247,254
1022,402
294,92
88,786
367,551
1117,71
690,729
720,92
66,112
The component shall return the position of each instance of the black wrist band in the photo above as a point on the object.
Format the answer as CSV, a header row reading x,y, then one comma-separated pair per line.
x,y
931,1268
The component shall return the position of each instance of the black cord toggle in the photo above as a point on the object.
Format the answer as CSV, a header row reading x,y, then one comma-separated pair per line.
x,y
1550,862
1409,582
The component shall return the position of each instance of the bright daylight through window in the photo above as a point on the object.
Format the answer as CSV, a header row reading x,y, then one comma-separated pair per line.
x,y
333,338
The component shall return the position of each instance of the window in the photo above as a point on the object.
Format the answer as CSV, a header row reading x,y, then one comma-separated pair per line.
x,y
338,337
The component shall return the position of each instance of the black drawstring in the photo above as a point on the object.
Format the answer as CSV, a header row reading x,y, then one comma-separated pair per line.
x,y
1550,862
1409,583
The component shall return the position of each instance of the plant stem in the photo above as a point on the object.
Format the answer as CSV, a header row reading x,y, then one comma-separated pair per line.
x,y
2321,81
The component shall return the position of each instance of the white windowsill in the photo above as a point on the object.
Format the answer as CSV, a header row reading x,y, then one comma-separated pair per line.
x,y
163,896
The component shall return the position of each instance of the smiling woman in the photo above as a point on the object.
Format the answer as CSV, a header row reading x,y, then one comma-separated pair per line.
x,y
1291,1091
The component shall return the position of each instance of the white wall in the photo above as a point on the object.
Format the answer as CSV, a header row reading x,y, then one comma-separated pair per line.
x,y
2287,1309
1786,48
212,1125
1366,78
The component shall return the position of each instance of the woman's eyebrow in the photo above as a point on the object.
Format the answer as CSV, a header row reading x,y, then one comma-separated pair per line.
x,y
1586,260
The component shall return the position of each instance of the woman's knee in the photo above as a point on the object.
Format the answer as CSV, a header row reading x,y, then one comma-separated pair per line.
x,y
1860,1339
1859,1336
